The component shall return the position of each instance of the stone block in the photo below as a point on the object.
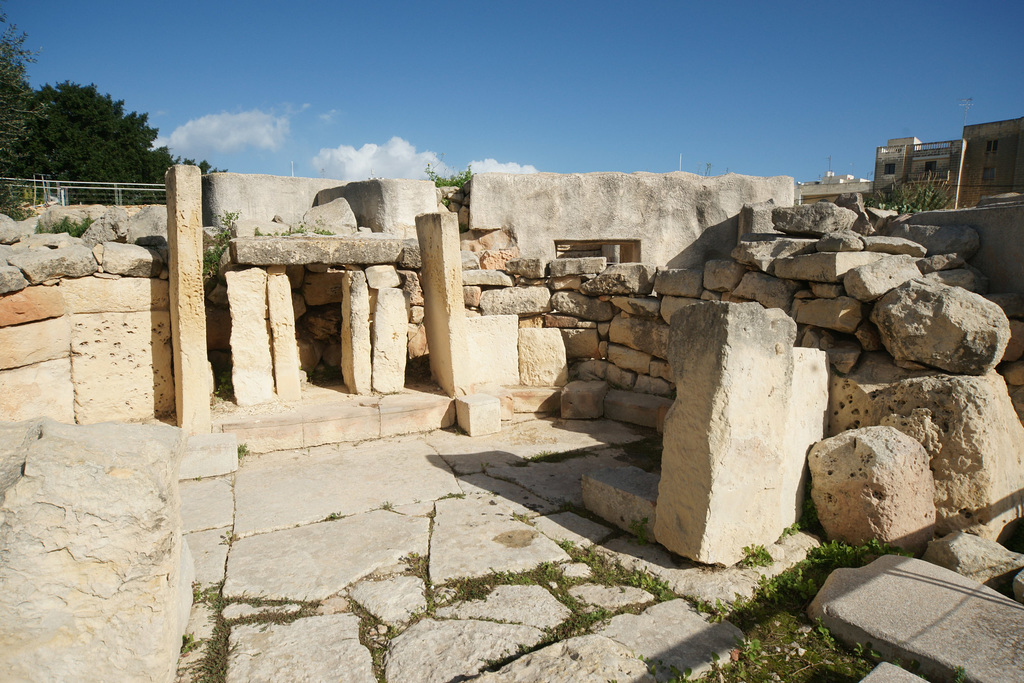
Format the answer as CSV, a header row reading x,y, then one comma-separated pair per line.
x,y
582,306
356,364
478,414
724,444
364,249
30,305
542,360
537,400
40,265
581,343
815,219
493,349
770,292
590,265
39,390
843,240
386,205
528,267
671,304
761,251
127,295
131,260
622,278
486,278
413,412
390,341
805,426
629,359
893,245
625,496
822,266
516,301
36,342
723,275
252,368
843,313
960,240
583,400
382,277
874,280
11,279
282,331
121,364
915,611
638,409
980,559
209,455
649,336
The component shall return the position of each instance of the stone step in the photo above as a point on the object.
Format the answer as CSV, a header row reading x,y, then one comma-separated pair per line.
x,y
345,419
639,409
624,496
209,455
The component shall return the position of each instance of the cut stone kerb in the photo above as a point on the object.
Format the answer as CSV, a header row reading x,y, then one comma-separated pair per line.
x,y
444,312
725,436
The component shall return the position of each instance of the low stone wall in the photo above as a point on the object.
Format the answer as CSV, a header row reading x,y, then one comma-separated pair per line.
x,y
258,197
85,334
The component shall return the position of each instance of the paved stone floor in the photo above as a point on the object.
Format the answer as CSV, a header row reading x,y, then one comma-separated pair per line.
x,y
441,557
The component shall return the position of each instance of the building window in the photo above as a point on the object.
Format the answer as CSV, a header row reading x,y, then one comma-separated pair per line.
x,y
929,167
988,173
992,145
890,169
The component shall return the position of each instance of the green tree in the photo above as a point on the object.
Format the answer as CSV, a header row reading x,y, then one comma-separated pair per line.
x,y
16,108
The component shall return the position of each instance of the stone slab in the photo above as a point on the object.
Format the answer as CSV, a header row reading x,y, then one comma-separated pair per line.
x,y
499,542
310,649
126,295
394,600
328,250
610,597
890,673
568,526
558,482
639,409
206,504
210,553
512,497
584,659
916,611
412,412
31,304
493,347
527,605
209,455
252,373
625,496
289,565
478,414
36,342
39,390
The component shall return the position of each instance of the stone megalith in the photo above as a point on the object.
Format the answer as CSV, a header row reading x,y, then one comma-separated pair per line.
x,y
725,435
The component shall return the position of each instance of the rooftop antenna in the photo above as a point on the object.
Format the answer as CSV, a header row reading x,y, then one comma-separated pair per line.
x,y
829,163
966,103
680,161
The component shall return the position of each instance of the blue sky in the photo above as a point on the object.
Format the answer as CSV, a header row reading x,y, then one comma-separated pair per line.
x,y
343,89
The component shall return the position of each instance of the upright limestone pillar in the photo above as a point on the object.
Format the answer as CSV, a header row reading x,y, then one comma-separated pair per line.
x,y
355,333
725,448
282,331
444,310
390,341
192,388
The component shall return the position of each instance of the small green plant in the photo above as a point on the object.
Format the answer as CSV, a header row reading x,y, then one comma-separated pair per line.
x,y
188,643
333,516
756,556
456,179
959,675
387,505
927,195
243,450
638,527
71,227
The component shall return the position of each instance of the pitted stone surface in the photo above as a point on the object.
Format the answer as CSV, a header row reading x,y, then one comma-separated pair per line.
x,y
442,651
310,649
499,542
293,564
527,605
610,597
393,600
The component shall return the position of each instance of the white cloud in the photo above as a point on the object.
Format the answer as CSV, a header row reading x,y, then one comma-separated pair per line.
x,y
227,133
396,158
327,117
494,166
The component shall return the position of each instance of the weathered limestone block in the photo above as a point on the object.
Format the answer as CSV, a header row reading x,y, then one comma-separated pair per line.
x,y
486,278
960,240
649,336
724,438
843,313
874,483
629,359
127,295
495,259
478,414
582,306
39,390
493,349
355,333
131,260
723,275
527,267
874,280
112,226
583,400
387,205
121,364
335,216
11,279
92,568
625,496
30,305
893,245
944,327
381,277
319,289
445,314
516,301
40,265
542,361
821,266
364,249
252,371
282,332
761,251
622,278
968,277
770,292
581,343
815,220
591,265
390,341
756,218
671,304
805,426
687,282
34,342
841,241
980,559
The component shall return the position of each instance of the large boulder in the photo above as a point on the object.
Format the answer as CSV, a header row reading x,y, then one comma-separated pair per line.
x,y
149,224
960,240
335,217
77,213
112,226
96,578
944,327
813,220
871,281
874,483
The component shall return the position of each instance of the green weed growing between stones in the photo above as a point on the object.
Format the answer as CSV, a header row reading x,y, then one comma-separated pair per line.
x,y
71,227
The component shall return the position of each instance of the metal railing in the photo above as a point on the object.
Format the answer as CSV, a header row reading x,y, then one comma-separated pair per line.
x,y
42,190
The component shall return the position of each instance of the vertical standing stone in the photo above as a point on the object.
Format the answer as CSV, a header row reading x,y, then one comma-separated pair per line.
x,y
724,443
355,333
808,419
282,330
390,341
444,312
252,371
192,388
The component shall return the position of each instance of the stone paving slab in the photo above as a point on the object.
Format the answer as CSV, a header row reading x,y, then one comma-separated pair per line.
x,y
239,610
568,526
584,659
890,673
498,542
558,482
443,651
913,610
298,487
527,605
210,552
316,561
392,600
206,504
511,496
673,634
611,597
321,648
